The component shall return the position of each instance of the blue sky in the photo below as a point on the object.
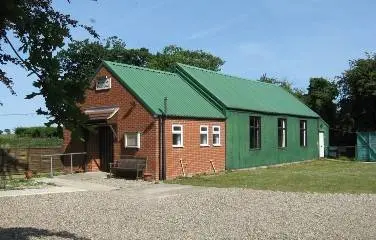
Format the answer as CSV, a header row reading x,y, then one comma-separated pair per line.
x,y
288,39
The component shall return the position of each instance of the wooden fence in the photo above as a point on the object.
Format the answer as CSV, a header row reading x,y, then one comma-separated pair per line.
x,y
16,160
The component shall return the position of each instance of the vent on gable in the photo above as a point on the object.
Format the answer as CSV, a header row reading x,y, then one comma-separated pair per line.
x,y
103,83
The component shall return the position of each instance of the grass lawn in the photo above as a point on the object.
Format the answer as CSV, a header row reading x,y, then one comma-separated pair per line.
x,y
316,176
19,183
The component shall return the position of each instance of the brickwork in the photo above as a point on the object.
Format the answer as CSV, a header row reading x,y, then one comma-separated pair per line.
x,y
195,158
133,117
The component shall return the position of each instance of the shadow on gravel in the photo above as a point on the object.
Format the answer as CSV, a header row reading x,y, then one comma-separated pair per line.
x,y
27,233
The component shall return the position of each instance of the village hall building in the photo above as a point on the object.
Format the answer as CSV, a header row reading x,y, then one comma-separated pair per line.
x,y
193,121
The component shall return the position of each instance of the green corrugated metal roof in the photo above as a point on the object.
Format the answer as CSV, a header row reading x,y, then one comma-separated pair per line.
x,y
151,86
239,93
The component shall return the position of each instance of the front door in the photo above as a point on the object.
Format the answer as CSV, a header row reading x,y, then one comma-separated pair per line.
x,y
321,145
106,140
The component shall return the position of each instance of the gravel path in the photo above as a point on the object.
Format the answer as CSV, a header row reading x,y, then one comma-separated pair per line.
x,y
140,210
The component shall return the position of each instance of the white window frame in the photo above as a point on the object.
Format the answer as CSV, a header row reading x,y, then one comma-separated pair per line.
x,y
178,132
206,133
138,139
105,78
219,135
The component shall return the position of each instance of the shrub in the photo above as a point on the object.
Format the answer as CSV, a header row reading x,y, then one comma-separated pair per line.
x,y
39,132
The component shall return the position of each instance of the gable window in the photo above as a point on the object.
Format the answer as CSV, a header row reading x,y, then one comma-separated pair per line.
x,y
282,132
204,132
303,133
254,132
216,136
132,140
103,83
177,135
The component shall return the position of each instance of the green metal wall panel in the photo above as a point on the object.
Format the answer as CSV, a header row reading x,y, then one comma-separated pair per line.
x,y
239,155
366,146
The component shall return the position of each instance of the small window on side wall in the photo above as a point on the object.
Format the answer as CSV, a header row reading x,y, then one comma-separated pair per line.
x,y
282,132
204,136
216,136
132,140
177,135
303,133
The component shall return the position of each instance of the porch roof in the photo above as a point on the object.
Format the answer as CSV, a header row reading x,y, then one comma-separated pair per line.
x,y
101,113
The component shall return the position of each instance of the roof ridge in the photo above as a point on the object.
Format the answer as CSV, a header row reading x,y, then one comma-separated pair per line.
x,y
227,75
140,68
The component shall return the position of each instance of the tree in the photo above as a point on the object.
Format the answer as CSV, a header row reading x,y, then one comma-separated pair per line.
x,y
32,31
38,132
1,132
299,93
320,98
7,131
80,60
358,94
172,54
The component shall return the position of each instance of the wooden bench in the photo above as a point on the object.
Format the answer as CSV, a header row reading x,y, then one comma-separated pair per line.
x,y
128,164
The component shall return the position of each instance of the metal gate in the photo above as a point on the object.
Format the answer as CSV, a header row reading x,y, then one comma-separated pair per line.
x,y
366,146
106,140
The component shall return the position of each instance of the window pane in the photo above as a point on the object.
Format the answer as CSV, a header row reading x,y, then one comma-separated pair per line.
x,y
279,137
204,139
176,139
252,121
305,138
131,139
177,128
216,139
204,129
303,133
279,123
257,122
216,129
252,142
282,132
255,132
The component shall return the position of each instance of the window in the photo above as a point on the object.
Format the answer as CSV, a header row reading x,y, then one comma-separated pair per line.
x,y
204,136
216,136
177,135
132,140
282,133
103,83
303,133
254,132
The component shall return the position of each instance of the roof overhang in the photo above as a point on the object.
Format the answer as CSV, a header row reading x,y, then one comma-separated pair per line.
x,y
101,114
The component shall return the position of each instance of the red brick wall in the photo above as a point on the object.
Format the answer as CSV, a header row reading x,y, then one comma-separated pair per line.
x,y
196,158
70,146
131,117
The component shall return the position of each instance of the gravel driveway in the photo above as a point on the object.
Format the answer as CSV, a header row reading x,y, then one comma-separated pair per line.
x,y
140,210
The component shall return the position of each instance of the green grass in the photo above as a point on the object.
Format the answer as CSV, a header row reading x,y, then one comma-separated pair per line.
x,y
317,176
12,140
19,183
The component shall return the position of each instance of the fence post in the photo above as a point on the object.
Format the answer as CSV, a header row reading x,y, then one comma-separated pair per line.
x,y
51,173
71,163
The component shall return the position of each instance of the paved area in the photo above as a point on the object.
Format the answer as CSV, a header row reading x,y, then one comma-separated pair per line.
x,y
141,210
